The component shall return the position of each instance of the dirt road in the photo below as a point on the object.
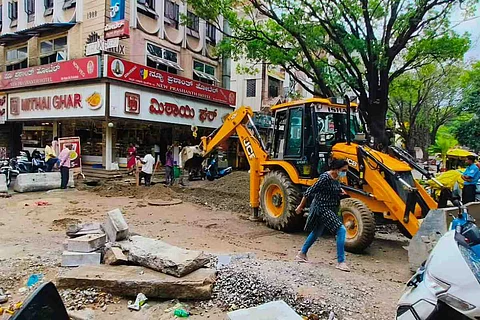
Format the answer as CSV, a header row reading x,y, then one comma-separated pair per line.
x,y
32,237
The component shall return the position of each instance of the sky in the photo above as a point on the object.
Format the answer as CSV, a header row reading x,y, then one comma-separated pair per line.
x,y
471,26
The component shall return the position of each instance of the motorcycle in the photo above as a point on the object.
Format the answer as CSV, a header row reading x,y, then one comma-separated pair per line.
x,y
38,162
31,164
212,172
8,168
447,286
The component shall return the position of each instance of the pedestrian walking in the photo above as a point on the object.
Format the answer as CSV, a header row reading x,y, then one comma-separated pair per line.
x,y
131,158
147,169
50,156
471,176
169,176
326,193
64,158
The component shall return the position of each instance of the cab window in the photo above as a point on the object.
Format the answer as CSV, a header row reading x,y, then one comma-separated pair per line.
x,y
295,133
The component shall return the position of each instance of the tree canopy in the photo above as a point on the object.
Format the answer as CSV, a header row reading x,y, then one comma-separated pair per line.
x,y
342,45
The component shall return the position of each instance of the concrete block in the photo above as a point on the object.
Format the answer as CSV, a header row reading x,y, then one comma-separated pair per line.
x,y
161,256
87,243
82,229
130,280
3,184
115,226
27,182
275,310
433,227
75,259
474,210
115,256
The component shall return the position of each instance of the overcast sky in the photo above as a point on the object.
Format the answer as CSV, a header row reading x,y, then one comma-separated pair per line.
x,y
471,26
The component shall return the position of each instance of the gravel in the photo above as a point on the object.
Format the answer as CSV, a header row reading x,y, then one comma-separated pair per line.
x,y
77,299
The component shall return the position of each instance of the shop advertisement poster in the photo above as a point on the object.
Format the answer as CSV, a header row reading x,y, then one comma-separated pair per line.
x,y
75,101
3,108
75,154
71,70
158,106
127,71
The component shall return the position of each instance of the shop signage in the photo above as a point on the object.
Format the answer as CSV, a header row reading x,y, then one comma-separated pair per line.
x,y
127,71
158,106
75,154
118,29
117,10
59,72
132,103
110,45
76,101
3,108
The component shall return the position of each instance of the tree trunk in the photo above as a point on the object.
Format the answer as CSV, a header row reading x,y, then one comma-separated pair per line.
x,y
419,137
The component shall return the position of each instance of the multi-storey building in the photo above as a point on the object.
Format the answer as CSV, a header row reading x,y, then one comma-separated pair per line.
x,y
112,72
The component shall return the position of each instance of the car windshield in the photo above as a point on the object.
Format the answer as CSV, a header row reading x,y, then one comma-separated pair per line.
x,y
332,127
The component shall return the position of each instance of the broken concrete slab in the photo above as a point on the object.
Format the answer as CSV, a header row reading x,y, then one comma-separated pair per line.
x,y
27,182
87,243
75,259
77,230
114,256
275,310
433,227
115,226
163,257
225,260
130,280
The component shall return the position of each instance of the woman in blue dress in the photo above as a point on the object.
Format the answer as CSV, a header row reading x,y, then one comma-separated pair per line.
x,y
326,193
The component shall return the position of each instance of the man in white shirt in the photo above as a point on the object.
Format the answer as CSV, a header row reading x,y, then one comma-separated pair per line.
x,y
148,163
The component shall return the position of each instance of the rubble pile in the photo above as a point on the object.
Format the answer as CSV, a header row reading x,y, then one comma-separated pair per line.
x,y
78,299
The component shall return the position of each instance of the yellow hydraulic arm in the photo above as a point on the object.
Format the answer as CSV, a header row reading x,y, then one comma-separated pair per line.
x,y
252,145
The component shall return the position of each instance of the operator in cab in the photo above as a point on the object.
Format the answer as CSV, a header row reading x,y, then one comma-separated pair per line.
x,y
471,176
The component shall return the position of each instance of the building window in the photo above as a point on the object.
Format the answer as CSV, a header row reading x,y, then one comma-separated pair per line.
x,y
30,9
172,11
54,50
251,88
162,59
273,87
193,23
48,7
147,7
16,59
13,10
211,34
1,17
69,4
204,72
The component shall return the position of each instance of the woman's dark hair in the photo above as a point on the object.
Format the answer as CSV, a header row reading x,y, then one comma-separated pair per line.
x,y
338,163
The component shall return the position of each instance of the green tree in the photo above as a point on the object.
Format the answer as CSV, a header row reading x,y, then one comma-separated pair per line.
x,y
423,100
444,142
342,44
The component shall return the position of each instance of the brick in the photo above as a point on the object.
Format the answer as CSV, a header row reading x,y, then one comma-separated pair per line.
x,y
87,243
75,259
115,256
116,227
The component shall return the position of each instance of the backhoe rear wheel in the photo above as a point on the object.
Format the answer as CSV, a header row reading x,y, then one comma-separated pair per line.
x,y
279,198
360,225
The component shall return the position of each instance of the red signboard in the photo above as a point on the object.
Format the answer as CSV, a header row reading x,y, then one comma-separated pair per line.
x,y
75,154
71,70
118,29
127,71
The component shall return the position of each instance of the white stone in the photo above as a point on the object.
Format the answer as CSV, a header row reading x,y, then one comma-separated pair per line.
x,y
75,259
115,226
275,310
3,183
27,182
87,243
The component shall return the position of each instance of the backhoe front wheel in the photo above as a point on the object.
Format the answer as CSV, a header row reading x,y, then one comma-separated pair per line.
x,y
360,225
279,198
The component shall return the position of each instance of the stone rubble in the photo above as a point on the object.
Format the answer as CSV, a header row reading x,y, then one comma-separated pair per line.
x,y
76,299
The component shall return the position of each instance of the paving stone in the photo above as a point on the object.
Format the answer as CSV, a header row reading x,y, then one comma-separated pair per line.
x,y
275,310
75,259
115,256
87,243
82,229
115,226
130,280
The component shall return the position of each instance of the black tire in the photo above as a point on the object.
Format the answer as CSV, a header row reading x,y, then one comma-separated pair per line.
x,y
289,195
365,225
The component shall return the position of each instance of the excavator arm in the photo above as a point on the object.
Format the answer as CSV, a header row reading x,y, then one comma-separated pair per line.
x,y
252,144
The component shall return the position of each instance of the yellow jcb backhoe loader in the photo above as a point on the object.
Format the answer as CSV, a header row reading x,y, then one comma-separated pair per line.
x,y
307,134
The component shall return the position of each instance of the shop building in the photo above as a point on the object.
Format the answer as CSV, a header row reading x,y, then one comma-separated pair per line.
x,y
111,73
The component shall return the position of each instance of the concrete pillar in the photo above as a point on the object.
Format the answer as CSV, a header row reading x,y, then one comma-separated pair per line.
x,y
108,147
55,128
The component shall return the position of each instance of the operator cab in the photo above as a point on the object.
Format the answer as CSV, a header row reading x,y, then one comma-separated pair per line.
x,y
306,130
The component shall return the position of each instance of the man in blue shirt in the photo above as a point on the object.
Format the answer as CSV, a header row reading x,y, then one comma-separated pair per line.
x,y
471,176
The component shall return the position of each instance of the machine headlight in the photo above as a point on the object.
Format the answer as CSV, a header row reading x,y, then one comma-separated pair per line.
x,y
455,302
436,286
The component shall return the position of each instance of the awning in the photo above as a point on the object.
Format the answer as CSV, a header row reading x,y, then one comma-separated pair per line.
x,y
204,75
42,29
166,62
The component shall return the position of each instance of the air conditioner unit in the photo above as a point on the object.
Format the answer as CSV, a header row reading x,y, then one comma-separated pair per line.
x,y
61,56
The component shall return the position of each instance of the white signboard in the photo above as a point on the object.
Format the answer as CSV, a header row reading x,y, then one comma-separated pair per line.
x,y
323,108
75,101
165,107
101,45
